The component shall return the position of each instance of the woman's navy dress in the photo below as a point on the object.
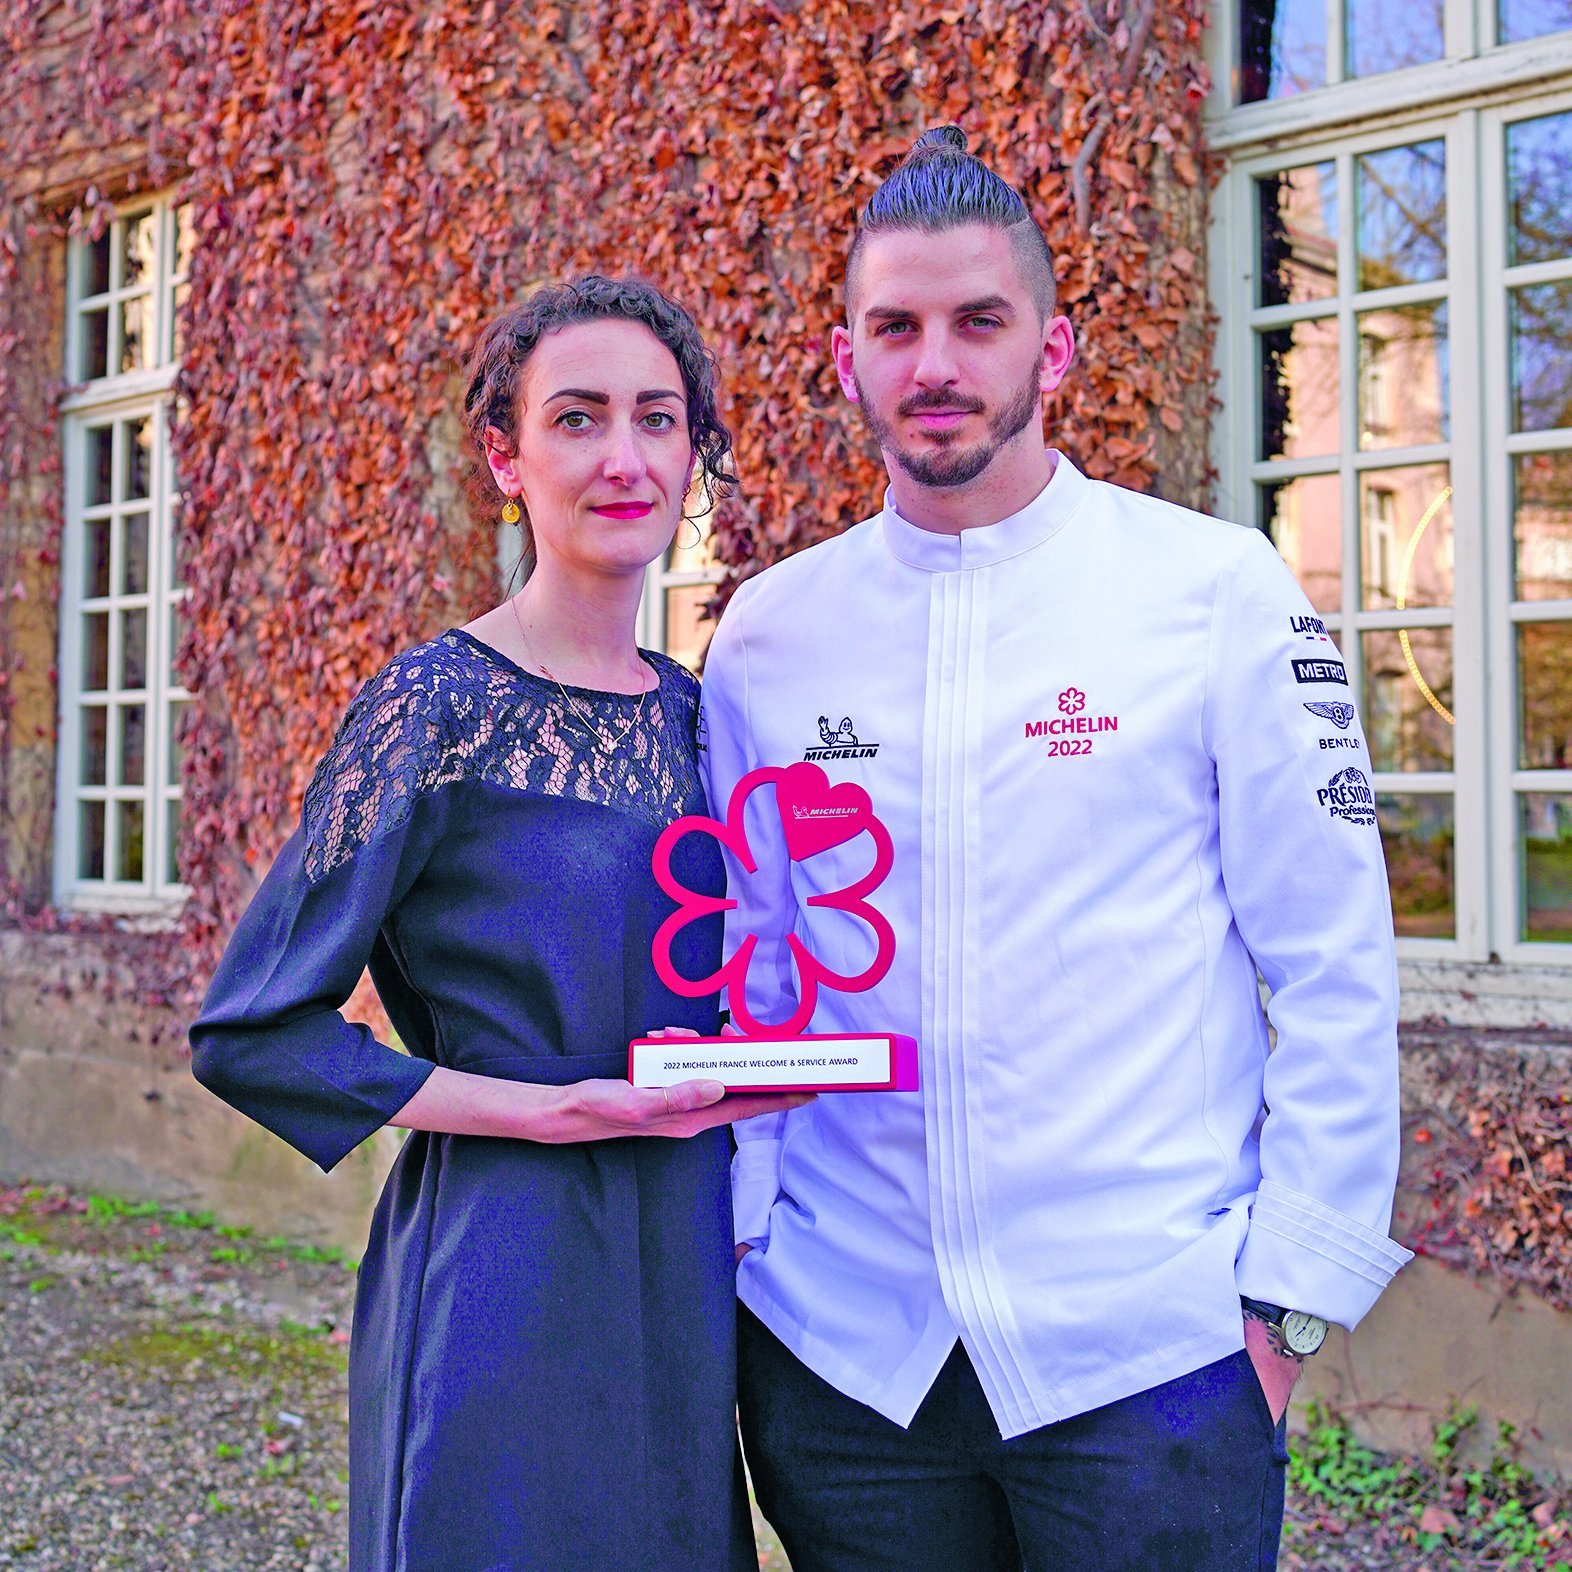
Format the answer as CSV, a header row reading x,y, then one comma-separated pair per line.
x,y
541,1370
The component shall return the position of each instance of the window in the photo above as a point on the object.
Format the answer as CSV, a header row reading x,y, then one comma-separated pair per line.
x,y
1397,382
1295,46
1531,312
675,593
120,703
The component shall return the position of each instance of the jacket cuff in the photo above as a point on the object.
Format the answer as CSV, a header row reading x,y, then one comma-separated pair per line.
x,y
755,1182
1308,1256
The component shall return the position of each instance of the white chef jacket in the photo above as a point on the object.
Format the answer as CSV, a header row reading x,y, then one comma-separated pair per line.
x,y
1119,762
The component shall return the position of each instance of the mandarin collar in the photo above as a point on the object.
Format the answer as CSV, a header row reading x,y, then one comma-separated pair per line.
x,y
1043,517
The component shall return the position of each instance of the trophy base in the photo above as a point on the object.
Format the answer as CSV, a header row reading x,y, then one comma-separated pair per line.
x,y
855,1062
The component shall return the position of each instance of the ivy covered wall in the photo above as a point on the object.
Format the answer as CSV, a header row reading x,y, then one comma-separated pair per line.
x,y
371,179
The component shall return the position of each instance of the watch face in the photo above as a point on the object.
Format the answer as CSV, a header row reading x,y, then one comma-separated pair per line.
x,y
1302,1332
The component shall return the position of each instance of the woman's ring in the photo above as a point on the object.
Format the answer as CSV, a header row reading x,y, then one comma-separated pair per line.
x,y
665,1093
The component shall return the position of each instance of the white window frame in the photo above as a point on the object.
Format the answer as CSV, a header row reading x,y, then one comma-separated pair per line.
x,y
1500,447
658,579
147,392
1473,69
1468,98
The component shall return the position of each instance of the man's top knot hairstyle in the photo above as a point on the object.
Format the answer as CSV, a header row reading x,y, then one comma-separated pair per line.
x,y
939,186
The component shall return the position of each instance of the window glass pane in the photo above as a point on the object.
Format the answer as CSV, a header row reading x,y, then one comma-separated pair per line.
x,y
172,842
1542,356
133,556
1298,235
687,633
132,751
178,344
1405,527
95,576
136,250
177,715
1544,686
90,841
185,240
1282,48
1545,821
1408,698
1539,176
175,556
1303,519
95,746
95,651
95,278
1403,374
1299,390
1417,837
1519,19
690,551
1542,525
135,317
139,458
100,476
95,345
129,822
133,649
1380,36
1400,194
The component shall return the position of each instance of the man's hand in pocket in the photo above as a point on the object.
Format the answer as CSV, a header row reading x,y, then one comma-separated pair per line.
x,y
1276,1372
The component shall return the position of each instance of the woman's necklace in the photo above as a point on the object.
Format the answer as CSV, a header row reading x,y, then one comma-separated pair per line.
x,y
578,709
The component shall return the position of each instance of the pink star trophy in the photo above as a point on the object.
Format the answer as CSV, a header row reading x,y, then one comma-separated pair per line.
x,y
758,1056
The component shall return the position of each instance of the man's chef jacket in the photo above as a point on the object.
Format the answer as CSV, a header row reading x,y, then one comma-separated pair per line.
x,y
1119,761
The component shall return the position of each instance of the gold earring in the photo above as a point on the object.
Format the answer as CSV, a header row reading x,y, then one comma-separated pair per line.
x,y
510,511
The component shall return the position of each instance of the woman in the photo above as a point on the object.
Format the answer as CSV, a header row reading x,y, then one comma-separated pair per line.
x,y
541,1366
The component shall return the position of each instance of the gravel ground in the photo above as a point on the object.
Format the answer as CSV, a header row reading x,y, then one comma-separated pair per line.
x,y
172,1396
169,1397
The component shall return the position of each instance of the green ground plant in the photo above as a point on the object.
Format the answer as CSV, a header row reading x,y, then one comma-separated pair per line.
x,y
1472,1503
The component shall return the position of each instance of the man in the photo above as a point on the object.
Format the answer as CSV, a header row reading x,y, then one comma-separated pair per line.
x,y
1049,1309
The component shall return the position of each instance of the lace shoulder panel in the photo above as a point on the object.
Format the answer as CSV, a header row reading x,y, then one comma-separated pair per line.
x,y
679,686
450,711
399,739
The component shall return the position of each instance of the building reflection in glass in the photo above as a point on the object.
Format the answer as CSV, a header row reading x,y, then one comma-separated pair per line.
x,y
1403,376
1417,836
1408,698
1542,524
1405,527
1545,823
1400,196
1302,518
1282,48
1297,238
1541,349
1544,687
1539,182
1300,389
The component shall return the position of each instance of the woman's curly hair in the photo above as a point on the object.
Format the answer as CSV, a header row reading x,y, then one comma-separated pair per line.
x,y
496,365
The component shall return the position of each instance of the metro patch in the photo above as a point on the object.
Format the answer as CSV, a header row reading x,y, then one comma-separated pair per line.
x,y
1321,671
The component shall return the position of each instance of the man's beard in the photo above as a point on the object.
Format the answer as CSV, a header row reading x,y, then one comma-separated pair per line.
x,y
947,465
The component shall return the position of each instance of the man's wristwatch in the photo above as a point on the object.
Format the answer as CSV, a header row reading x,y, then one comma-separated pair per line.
x,y
1301,1333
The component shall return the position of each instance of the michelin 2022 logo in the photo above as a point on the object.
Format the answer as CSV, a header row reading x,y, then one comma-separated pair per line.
x,y
1348,796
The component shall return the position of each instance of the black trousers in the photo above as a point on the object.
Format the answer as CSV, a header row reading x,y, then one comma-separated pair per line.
x,y
1186,1477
